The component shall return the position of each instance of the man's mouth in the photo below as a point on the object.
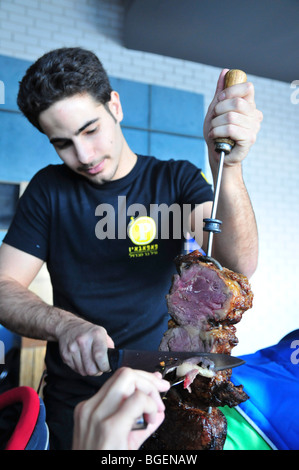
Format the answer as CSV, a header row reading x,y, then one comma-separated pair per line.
x,y
94,169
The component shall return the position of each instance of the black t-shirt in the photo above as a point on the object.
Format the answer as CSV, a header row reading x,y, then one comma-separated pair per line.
x,y
119,283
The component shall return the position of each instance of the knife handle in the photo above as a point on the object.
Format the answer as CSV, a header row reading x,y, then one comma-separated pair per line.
x,y
114,358
139,424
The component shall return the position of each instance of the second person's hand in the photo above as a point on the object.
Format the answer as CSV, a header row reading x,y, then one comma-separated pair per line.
x,y
105,421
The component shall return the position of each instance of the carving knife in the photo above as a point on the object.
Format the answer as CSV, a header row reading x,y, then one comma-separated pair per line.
x,y
162,361
152,361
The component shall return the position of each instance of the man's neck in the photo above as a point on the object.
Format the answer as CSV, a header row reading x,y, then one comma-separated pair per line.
x,y
127,162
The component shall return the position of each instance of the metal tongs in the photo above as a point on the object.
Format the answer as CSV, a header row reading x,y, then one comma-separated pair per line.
x,y
224,147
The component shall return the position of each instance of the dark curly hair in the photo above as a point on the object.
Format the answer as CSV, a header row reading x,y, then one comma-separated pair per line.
x,y
59,74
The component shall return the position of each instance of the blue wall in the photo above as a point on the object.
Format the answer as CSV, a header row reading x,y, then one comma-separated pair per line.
x,y
23,149
159,121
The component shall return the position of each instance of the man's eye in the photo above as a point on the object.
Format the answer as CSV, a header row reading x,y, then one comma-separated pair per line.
x,y
63,145
91,131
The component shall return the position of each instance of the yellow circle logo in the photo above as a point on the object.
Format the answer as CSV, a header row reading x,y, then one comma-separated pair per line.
x,y
142,230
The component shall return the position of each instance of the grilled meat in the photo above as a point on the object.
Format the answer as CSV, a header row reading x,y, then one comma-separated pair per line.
x,y
204,303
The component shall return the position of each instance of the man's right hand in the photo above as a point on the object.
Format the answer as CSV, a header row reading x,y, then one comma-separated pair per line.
x,y
83,346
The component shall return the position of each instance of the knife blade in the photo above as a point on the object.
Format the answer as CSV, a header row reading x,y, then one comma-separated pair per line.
x,y
152,361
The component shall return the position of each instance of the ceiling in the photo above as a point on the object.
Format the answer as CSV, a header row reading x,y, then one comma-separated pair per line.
x,y
258,36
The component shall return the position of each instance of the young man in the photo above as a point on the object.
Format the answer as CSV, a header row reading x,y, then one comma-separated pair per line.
x,y
109,290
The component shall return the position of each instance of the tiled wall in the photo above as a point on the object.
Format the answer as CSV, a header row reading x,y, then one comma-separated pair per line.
x,y
153,125
23,149
28,28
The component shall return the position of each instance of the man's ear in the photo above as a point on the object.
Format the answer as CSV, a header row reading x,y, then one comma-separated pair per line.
x,y
115,106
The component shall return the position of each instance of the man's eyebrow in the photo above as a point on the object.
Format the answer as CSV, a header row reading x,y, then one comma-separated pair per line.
x,y
86,125
64,139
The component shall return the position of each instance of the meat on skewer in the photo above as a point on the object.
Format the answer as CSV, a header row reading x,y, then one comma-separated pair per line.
x,y
204,303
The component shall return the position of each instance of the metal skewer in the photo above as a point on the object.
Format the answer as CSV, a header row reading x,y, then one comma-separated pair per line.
x,y
224,147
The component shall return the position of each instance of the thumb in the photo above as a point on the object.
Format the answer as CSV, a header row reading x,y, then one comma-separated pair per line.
x,y
221,82
219,87
211,109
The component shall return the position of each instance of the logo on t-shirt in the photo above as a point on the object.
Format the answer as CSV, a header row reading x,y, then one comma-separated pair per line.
x,y
142,230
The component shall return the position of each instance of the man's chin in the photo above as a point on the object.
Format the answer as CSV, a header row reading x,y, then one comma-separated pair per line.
x,y
99,178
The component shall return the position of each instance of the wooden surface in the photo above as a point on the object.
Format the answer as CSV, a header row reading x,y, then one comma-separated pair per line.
x,y
32,362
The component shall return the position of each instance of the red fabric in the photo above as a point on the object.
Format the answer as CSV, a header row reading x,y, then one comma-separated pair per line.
x,y
29,414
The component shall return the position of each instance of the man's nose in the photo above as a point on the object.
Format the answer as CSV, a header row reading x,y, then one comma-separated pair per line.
x,y
84,152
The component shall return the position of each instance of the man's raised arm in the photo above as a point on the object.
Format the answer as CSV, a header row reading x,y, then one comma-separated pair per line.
x,y
233,114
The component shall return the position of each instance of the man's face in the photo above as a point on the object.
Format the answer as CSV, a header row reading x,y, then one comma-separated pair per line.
x,y
87,135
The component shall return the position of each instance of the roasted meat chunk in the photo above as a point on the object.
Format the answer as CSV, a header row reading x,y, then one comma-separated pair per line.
x,y
204,303
189,428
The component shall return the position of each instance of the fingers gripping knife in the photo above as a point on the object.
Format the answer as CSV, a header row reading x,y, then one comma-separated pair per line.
x,y
224,147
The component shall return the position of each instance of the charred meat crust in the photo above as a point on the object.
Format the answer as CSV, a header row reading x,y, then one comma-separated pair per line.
x,y
189,428
204,304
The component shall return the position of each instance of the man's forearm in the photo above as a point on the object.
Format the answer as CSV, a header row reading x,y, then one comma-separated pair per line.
x,y
82,345
26,314
237,245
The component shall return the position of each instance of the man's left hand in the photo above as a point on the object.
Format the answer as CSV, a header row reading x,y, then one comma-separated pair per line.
x,y
232,114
